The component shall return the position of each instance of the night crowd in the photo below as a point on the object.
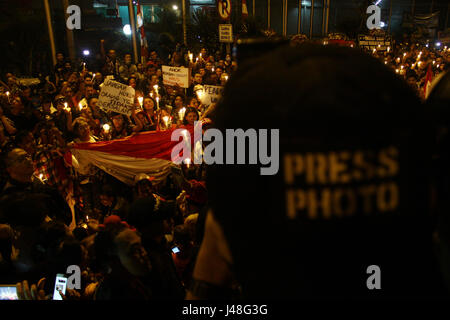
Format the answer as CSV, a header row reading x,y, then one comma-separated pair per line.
x,y
131,242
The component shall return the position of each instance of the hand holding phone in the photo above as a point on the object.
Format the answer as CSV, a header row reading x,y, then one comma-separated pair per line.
x,y
175,250
60,285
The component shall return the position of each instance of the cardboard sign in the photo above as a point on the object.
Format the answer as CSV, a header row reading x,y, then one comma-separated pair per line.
x,y
381,43
117,97
225,33
176,75
210,94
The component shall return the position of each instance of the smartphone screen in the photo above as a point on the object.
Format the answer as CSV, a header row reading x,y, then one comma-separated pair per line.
x,y
8,292
175,250
60,284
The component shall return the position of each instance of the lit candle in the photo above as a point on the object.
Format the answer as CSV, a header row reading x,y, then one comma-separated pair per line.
x,y
106,127
398,60
188,162
185,134
166,121
396,70
157,102
181,113
401,67
226,78
388,49
7,94
66,107
212,69
151,94
437,66
404,54
140,99
41,176
434,61
191,57
196,60
200,95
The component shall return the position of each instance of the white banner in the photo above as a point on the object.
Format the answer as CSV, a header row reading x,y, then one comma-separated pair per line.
x,y
176,75
117,97
211,94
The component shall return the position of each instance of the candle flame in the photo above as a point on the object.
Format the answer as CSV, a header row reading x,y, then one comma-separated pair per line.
x,y
166,120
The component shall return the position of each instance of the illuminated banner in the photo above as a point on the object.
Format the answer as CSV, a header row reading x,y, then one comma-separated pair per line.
x,y
176,75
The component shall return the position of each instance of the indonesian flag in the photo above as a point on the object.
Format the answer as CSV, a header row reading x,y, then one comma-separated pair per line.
x,y
140,26
146,152
428,80
244,9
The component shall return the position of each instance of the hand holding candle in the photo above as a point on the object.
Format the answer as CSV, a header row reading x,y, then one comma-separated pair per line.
x,y
181,113
166,121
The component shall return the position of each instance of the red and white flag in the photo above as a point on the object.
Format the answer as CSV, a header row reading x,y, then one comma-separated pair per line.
x,y
244,9
428,80
140,26
146,152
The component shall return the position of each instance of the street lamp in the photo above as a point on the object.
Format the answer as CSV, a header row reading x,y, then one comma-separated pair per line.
x,y
127,29
175,7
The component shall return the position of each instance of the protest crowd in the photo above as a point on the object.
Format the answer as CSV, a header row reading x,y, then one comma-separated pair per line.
x,y
122,235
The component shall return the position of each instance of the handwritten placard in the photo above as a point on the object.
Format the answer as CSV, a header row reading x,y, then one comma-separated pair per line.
x,y
117,97
210,94
176,75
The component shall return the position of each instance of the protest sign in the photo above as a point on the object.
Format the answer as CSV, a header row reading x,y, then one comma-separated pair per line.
x,y
378,42
176,75
210,94
117,97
